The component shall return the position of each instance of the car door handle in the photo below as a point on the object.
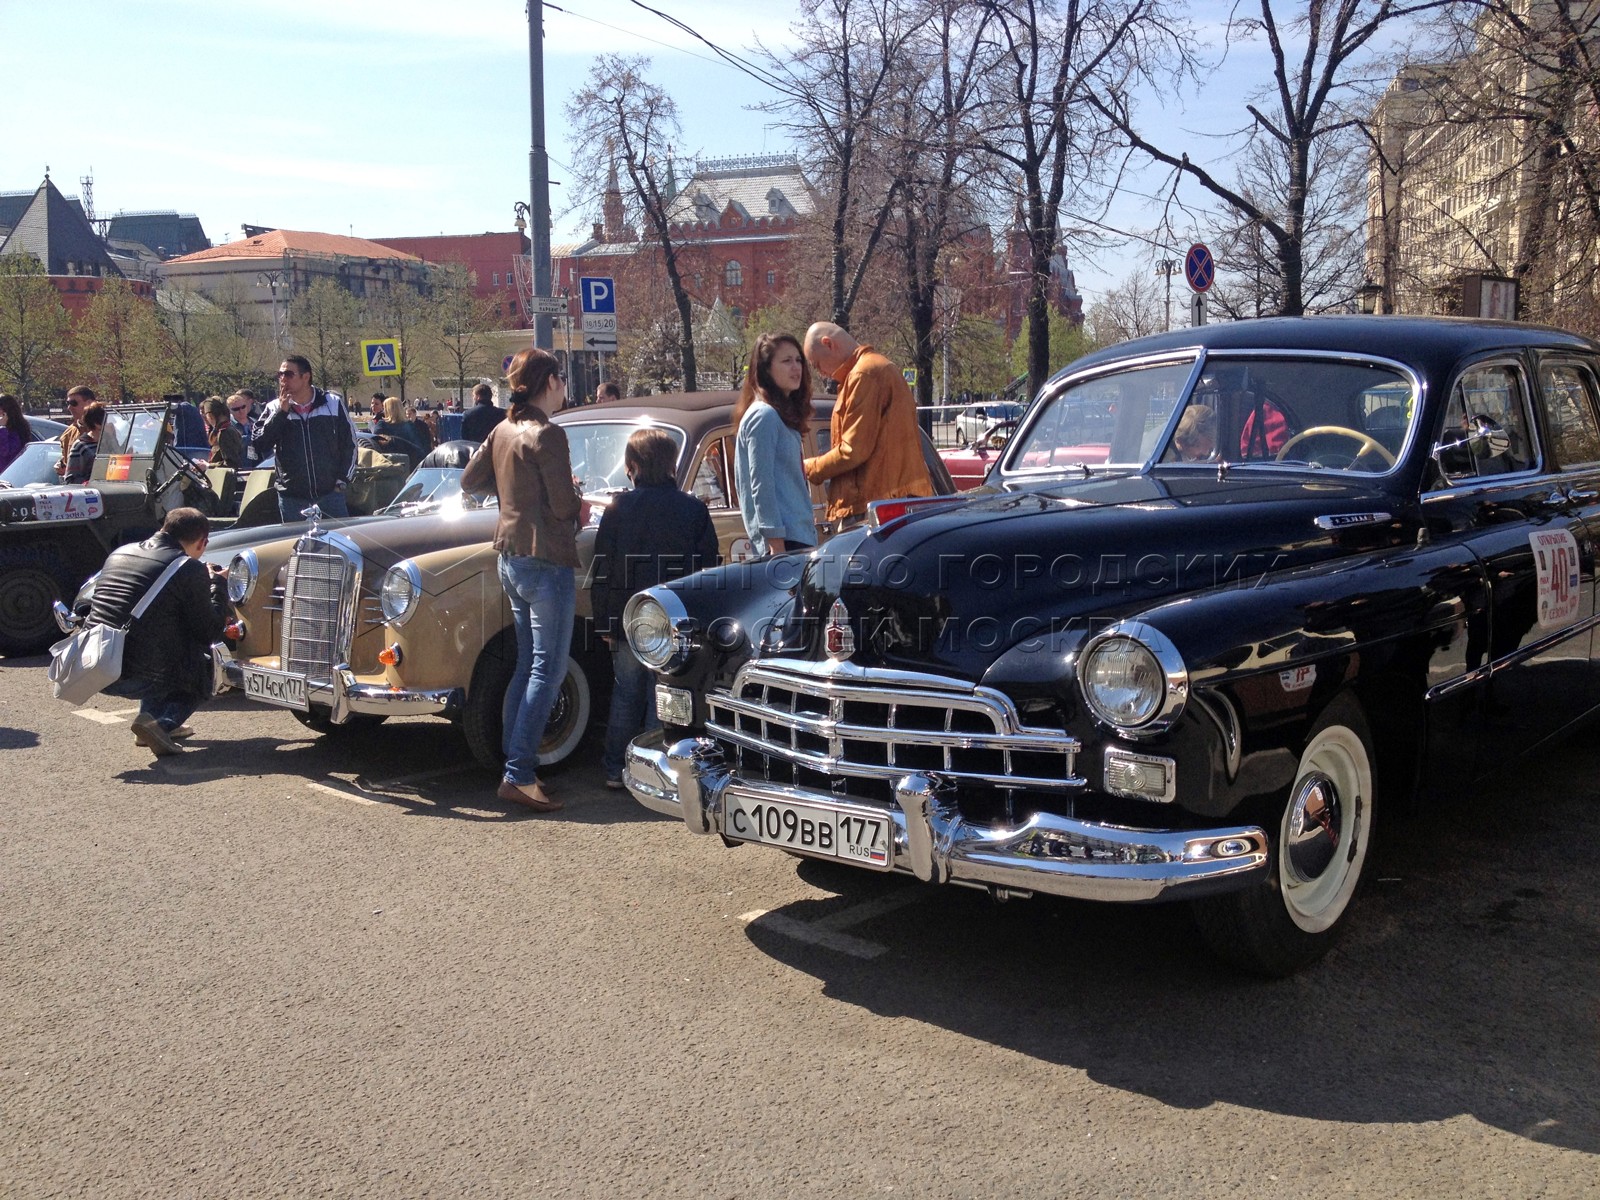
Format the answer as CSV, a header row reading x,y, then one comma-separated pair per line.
x,y
1582,495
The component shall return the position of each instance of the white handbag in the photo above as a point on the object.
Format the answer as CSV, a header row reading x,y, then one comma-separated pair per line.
x,y
90,659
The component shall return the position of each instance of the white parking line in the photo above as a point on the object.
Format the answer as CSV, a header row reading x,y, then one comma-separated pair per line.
x,y
813,934
105,718
343,793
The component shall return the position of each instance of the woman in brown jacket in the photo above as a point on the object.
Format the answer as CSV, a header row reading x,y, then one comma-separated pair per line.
x,y
526,463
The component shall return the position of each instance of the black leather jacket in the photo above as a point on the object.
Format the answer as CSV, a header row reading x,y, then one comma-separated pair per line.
x,y
170,644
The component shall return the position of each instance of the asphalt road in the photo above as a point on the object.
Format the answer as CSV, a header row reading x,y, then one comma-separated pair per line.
x,y
283,966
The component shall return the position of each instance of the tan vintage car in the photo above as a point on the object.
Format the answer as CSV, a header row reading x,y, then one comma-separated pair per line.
x,y
403,616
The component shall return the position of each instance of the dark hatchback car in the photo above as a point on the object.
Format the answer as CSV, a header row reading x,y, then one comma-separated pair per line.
x,y
1227,595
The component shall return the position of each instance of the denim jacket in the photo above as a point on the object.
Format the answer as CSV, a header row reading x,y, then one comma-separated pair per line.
x,y
774,498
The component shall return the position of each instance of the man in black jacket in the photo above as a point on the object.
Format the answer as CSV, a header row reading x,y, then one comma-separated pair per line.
x,y
647,536
483,416
314,439
166,663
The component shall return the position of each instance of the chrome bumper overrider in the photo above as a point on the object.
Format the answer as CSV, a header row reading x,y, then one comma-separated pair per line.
x,y
1062,856
343,696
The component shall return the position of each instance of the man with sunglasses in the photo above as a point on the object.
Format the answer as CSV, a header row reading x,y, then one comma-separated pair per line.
x,y
314,439
241,407
78,399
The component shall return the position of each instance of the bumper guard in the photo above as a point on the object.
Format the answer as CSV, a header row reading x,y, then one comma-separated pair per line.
x,y
342,695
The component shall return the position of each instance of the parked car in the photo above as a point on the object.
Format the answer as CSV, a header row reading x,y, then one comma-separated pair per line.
x,y
347,625
53,536
1127,670
977,422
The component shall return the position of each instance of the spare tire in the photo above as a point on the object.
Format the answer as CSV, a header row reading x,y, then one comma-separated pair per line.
x,y
449,454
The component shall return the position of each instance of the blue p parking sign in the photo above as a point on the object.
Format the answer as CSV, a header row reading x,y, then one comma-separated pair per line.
x,y
598,293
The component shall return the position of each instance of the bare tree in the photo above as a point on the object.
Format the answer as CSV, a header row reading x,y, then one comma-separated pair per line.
x,y
325,318
1048,125
1134,308
462,324
620,117
121,346
832,91
1318,92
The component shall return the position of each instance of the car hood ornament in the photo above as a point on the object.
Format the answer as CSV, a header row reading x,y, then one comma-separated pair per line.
x,y
838,639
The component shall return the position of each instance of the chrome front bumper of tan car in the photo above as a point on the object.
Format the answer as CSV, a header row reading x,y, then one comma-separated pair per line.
x,y
1061,856
342,695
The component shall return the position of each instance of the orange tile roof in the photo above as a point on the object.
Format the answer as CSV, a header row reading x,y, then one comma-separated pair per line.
x,y
294,242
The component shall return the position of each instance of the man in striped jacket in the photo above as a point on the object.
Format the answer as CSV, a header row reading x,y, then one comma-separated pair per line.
x,y
314,439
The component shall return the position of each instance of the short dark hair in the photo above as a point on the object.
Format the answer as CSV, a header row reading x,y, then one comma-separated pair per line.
x,y
300,363
186,525
483,392
86,392
608,391
93,415
379,396
652,454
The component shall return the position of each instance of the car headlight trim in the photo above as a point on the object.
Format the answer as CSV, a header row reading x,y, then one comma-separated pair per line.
x,y
243,572
1133,679
399,592
658,629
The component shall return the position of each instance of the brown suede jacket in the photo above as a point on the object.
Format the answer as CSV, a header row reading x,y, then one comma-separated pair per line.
x,y
527,464
876,449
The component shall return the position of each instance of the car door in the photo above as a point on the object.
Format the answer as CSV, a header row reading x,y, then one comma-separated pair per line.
x,y
1505,504
1569,396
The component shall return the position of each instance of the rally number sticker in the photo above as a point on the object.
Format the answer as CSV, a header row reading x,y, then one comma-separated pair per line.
x,y
1555,561
67,504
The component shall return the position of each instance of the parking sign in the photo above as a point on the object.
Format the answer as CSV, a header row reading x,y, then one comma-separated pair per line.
x,y
598,293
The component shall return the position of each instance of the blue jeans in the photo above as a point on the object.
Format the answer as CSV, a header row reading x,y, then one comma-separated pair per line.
x,y
169,707
633,706
331,503
543,600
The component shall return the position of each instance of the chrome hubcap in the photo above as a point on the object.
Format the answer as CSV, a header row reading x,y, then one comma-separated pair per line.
x,y
1313,827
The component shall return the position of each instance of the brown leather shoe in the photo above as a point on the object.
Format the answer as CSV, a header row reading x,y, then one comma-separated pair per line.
x,y
533,796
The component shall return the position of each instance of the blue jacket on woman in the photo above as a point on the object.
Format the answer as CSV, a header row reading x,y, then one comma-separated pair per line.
x,y
774,497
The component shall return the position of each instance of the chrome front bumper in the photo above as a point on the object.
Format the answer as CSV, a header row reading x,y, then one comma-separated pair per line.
x,y
1061,856
342,695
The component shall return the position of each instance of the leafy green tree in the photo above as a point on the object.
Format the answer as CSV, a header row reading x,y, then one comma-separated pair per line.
x,y
461,326
982,363
121,346
184,313
326,319
406,314
1068,342
35,330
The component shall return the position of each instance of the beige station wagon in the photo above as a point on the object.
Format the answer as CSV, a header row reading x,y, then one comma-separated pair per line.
x,y
350,625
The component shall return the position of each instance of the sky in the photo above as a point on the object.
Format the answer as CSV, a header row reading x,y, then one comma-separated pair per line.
x,y
384,118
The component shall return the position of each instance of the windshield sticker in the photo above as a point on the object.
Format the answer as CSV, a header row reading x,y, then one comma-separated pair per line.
x,y
68,504
1555,560
118,466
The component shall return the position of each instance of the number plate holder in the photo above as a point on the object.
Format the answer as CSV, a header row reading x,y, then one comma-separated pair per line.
x,y
806,824
276,687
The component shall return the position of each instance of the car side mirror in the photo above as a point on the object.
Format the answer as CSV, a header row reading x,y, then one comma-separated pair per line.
x,y
1483,436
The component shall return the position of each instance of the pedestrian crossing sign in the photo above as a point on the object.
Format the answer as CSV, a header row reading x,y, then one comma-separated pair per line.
x,y
380,356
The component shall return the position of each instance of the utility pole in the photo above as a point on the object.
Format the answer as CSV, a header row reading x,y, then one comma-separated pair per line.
x,y
538,172
1169,268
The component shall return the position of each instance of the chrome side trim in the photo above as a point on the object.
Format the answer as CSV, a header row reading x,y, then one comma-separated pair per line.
x,y
1061,856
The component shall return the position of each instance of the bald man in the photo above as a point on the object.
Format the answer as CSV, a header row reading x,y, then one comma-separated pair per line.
x,y
876,450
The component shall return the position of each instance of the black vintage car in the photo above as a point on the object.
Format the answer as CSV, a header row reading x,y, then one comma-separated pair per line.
x,y
1228,596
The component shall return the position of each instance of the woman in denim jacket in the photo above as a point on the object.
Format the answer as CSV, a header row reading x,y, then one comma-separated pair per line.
x,y
771,419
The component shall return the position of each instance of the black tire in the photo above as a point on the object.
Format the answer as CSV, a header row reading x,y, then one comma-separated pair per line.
x,y
1319,849
27,623
481,722
319,722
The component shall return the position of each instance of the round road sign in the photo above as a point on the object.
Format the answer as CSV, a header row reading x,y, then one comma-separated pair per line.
x,y
1199,268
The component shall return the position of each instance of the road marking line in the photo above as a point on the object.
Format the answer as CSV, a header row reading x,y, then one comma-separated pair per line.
x,y
801,931
104,718
869,909
343,793
436,773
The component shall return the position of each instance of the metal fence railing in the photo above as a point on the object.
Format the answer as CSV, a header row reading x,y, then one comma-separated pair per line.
x,y
951,425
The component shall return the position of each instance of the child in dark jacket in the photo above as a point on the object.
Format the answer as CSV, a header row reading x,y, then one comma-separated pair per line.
x,y
647,536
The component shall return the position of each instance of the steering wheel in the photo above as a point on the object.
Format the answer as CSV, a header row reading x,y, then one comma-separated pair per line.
x,y
1366,444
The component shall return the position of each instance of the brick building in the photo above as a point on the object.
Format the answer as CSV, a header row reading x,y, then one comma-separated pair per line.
x,y
491,257
56,231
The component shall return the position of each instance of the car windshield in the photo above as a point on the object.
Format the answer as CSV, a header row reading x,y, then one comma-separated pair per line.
x,y
137,432
597,448
1319,413
427,485
35,466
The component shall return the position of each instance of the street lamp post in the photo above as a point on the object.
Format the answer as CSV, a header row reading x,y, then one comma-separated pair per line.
x,y
1169,268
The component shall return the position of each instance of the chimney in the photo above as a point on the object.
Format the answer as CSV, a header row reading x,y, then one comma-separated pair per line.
x,y
599,232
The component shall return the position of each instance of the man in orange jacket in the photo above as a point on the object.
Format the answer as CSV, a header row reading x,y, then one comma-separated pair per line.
x,y
876,450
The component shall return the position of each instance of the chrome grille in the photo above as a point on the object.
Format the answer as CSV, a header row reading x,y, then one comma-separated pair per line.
x,y
845,720
319,604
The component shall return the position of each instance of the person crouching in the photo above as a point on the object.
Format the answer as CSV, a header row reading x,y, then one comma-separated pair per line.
x,y
166,662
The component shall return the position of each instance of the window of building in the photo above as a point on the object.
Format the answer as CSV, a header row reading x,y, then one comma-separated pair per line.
x,y
772,279
497,279
733,273
513,308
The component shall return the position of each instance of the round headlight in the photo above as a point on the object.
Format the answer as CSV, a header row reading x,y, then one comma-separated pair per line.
x,y
1133,679
649,630
242,573
400,591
